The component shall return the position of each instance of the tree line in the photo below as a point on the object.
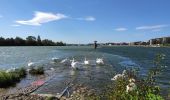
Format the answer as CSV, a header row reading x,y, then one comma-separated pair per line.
x,y
29,41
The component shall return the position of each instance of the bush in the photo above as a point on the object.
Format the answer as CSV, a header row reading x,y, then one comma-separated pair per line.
x,y
36,71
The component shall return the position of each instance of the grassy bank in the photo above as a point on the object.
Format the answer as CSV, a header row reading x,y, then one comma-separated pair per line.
x,y
11,78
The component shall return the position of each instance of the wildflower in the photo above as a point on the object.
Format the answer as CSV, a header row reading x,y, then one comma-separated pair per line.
x,y
131,87
131,80
124,72
117,77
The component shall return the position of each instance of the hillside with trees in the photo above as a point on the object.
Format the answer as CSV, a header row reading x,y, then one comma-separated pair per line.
x,y
29,41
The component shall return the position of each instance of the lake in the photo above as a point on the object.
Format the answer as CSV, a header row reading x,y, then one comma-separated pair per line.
x,y
116,59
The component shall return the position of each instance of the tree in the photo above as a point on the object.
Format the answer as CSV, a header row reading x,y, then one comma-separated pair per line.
x,y
39,41
19,41
2,41
31,41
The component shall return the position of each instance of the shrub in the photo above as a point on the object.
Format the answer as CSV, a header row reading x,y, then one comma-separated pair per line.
x,y
36,71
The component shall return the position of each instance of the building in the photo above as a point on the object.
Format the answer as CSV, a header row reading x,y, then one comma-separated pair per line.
x,y
156,41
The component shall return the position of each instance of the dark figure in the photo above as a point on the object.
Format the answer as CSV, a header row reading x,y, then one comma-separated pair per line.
x,y
95,44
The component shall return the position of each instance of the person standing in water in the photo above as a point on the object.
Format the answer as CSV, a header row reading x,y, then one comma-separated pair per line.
x,y
95,44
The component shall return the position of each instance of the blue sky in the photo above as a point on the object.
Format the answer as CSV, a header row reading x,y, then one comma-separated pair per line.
x,y
83,21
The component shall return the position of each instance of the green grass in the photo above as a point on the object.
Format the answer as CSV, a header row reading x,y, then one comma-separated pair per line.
x,y
8,79
36,71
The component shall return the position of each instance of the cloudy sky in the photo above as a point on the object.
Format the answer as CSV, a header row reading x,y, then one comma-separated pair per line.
x,y
83,21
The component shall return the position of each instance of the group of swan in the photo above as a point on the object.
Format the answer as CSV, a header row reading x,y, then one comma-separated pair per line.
x,y
76,65
131,86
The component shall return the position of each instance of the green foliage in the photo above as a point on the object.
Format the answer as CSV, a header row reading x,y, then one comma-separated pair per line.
x,y
36,71
10,78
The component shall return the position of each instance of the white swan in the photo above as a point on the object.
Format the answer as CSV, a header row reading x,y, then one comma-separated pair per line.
x,y
65,61
99,61
86,62
75,64
52,69
31,64
55,59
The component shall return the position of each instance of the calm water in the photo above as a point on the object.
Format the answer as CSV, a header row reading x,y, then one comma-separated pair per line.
x,y
116,59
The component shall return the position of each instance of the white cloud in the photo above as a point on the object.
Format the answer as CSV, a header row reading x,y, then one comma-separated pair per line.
x,y
88,18
156,30
15,25
154,27
42,17
121,29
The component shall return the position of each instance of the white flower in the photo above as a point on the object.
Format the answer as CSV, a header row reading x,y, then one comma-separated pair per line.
x,y
124,72
131,87
131,80
117,77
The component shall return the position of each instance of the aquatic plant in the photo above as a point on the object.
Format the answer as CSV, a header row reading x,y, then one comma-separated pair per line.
x,y
10,78
36,71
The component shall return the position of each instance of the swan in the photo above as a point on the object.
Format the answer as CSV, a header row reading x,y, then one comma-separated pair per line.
x,y
55,59
86,62
99,61
75,64
31,64
52,69
65,61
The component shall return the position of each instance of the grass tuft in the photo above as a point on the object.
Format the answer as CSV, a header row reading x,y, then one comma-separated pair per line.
x,y
11,78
